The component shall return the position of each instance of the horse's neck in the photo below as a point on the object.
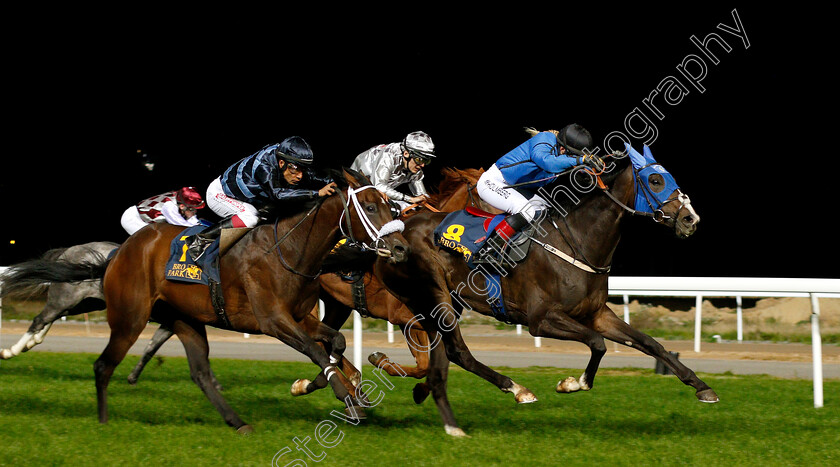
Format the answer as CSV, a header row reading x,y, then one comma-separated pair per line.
x,y
595,222
458,199
318,234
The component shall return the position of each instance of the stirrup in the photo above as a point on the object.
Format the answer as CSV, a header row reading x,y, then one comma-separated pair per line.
x,y
198,246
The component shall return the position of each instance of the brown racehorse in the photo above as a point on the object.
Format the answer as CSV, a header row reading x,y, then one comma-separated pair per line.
x,y
552,296
267,284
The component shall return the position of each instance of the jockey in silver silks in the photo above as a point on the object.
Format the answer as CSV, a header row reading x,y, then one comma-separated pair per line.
x,y
390,165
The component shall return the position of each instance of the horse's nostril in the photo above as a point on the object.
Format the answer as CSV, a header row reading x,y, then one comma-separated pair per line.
x,y
688,220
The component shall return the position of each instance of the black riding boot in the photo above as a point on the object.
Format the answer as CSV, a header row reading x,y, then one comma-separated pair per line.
x,y
502,234
198,243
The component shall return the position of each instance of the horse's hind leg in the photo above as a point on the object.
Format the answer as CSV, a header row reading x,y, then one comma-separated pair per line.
x,y
418,336
558,325
123,336
436,381
613,328
158,339
194,338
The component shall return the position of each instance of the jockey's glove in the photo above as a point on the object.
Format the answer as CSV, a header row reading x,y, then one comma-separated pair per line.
x,y
593,161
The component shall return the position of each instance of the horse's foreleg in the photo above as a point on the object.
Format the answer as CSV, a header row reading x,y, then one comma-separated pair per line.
x,y
161,335
458,352
284,328
558,325
613,328
194,339
334,345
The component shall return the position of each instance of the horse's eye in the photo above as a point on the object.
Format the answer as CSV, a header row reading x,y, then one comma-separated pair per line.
x,y
656,182
370,208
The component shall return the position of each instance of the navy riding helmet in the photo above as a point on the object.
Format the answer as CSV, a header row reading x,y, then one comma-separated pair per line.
x,y
296,150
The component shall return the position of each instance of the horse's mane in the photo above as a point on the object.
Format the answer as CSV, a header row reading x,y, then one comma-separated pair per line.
x,y
452,180
565,201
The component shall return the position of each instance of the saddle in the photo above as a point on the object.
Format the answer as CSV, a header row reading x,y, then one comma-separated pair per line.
x,y
469,233
181,268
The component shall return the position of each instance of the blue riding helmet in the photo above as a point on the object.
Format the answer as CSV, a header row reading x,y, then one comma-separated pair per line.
x,y
648,200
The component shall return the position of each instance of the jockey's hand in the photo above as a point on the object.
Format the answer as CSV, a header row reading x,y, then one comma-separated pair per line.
x,y
593,161
327,190
417,199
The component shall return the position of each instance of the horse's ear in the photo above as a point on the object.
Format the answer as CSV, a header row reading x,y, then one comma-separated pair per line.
x,y
648,156
338,177
637,159
355,177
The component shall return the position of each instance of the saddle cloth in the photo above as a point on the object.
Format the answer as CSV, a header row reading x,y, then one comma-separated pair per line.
x,y
464,232
181,267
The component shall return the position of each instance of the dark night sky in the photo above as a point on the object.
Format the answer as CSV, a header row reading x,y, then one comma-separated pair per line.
x,y
196,96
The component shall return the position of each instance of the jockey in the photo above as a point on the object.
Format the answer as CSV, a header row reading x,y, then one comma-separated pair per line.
x,y
277,175
533,163
174,207
391,165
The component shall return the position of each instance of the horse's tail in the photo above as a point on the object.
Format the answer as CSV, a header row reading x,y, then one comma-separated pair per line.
x,y
31,277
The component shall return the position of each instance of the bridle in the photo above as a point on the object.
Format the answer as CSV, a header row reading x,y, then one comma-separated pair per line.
x,y
656,210
374,233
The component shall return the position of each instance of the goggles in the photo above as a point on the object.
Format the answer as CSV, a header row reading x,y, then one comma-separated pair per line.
x,y
293,168
420,159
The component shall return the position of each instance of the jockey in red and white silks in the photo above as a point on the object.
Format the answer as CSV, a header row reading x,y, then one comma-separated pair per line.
x,y
175,207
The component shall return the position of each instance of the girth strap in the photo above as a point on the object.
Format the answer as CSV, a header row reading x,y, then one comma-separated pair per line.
x,y
359,296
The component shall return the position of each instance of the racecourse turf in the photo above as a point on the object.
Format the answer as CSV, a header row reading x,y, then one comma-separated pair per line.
x,y
631,417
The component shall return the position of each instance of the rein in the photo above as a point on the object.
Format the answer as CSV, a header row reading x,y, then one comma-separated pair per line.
x,y
278,242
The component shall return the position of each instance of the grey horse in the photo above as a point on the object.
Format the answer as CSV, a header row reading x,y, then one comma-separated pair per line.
x,y
75,298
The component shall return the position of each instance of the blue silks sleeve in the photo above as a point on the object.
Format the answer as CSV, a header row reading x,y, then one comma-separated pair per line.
x,y
544,154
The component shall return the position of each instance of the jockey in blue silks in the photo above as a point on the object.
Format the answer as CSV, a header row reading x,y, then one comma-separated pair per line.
x,y
510,184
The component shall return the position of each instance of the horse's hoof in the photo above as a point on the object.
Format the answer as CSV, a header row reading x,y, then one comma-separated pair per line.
x,y
375,357
299,387
6,354
568,385
420,392
245,430
526,397
708,396
455,431
132,380
356,412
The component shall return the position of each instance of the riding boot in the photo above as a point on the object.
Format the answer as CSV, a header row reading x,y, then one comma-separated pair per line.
x,y
501,235
199,242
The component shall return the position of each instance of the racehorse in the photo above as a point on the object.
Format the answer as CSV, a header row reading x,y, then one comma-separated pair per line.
x,y
266,279
63,299
559,290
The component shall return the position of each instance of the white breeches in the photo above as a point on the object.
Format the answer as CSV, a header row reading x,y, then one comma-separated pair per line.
x,y
131,220
225,206
491,188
